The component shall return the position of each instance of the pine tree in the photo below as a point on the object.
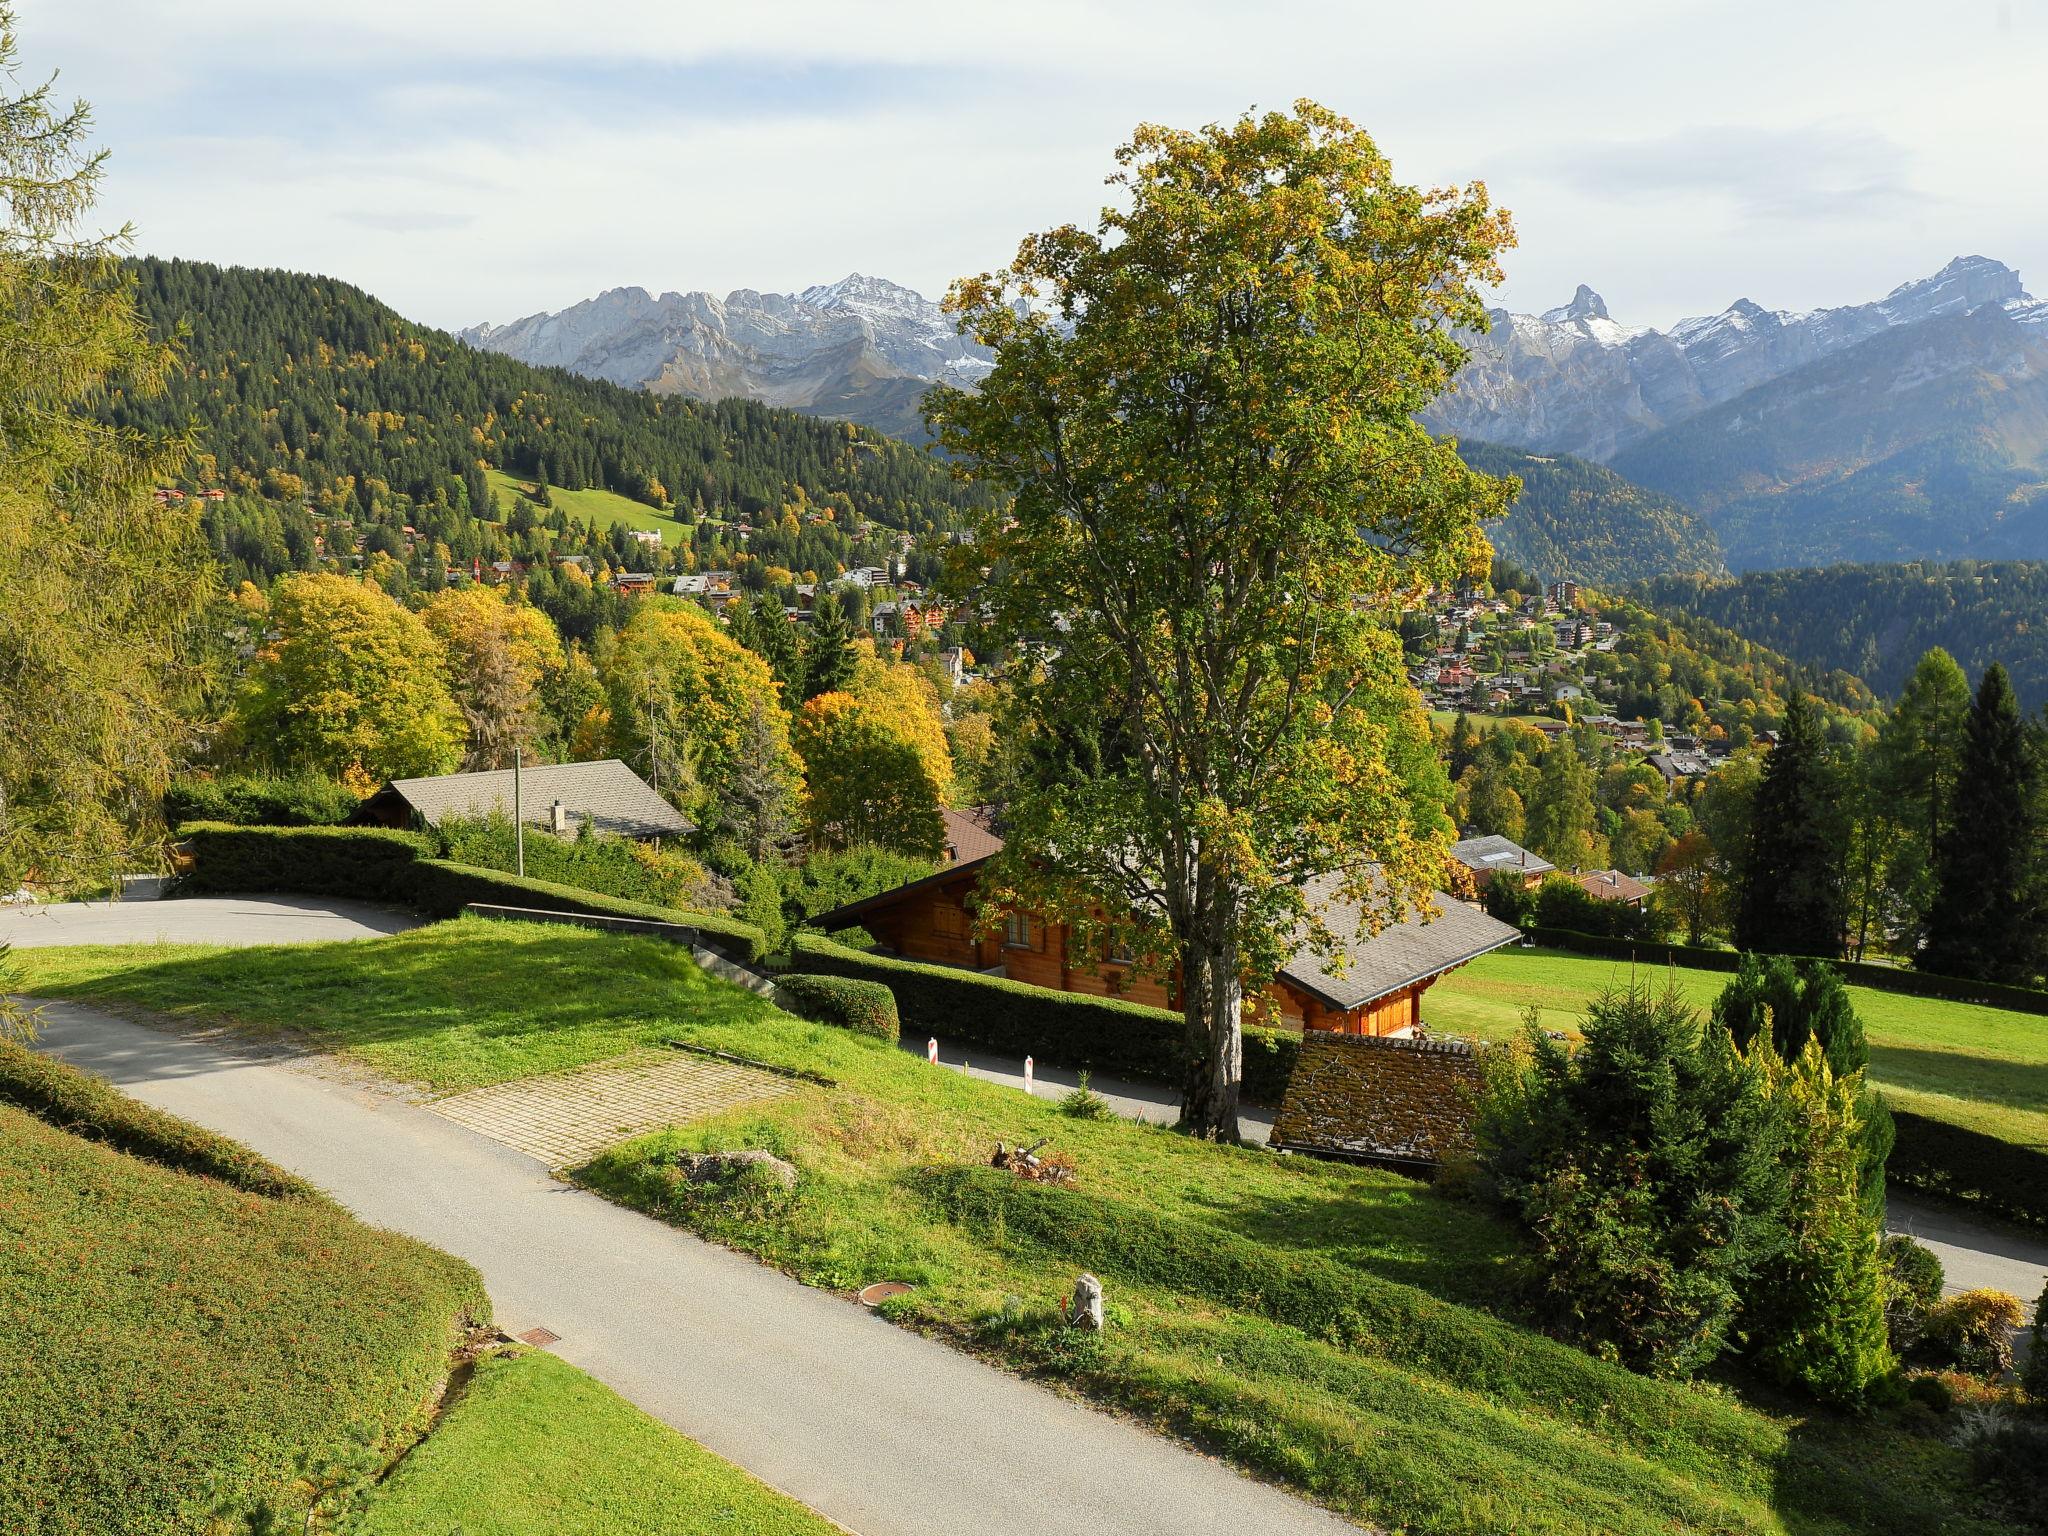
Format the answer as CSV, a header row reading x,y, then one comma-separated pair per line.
x,y
1792,895
1910,775
828,649
1985,922
1563,822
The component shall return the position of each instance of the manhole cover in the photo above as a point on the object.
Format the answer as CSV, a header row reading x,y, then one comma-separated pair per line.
x,y
541,1338
882,1290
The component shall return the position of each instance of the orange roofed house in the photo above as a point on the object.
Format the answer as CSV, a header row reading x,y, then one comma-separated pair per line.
x,y
1375,989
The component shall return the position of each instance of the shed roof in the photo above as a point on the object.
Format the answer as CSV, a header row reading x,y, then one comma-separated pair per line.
x,y
608,794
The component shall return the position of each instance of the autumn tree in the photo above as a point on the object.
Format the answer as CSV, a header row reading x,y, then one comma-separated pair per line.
x,y
1563,822
869,787
1205,410
688,706
1688,880
352,686
101,585
897,697
499,653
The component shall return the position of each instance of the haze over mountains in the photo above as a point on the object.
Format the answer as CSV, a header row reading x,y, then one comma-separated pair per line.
x,y
1910,427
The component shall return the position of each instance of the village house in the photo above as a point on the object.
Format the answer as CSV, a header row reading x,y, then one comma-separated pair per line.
x,y
1611,885
1492,857
1373,984
557,797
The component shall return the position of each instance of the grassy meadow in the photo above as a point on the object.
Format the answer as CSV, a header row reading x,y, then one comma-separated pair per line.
x,y
1338,1329
1980,1067
599,507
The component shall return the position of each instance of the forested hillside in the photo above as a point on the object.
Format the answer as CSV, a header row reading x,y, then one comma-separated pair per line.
x,y
1877,620
1578,519
313,400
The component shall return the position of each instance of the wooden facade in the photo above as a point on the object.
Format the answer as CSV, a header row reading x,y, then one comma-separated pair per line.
x,y
935,920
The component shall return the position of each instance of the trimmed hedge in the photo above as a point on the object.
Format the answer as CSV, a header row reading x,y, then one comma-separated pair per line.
x,y
1459,1346
865,1007
306,800
1937,1158
1068,1029
398,868
1862,973
88,1106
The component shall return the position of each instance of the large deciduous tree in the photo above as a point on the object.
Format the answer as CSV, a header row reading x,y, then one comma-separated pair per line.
x,y
100,583
1205,408
351,685
499,654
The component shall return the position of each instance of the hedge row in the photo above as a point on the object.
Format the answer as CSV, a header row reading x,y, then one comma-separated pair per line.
x,y
865,1007
398,868
1862,973
1067,1029
1937,1158
85,1105
1336,1302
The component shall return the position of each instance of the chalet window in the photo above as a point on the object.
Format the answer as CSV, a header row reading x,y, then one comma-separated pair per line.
x,y
1121,953
1017,931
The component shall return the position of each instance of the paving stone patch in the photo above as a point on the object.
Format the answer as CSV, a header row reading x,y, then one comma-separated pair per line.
x,y
569,1117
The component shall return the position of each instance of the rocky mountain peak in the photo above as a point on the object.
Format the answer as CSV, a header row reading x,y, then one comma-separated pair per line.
x,y
1585,305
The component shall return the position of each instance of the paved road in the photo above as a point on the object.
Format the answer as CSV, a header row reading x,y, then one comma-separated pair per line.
x,y
1129,1097
1972,1254
199,920
885,1432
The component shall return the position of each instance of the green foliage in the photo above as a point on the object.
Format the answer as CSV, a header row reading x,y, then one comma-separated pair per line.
x,y
179,1346
246,800
865,1007
89,1106
1913,1283
2035,1376
1578,519
1643,1170
1083,1103
614,866
1814,1308
1879,621
1970,1166
1058,1028
1793,1001
1560,902
1972,1332
868,783
1986,920
1792,898
103,585
828,879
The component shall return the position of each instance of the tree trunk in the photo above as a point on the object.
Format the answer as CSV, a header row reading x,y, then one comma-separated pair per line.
x,y
1212,1000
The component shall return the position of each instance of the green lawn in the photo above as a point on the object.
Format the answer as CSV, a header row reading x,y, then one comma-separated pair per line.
x,y
1984,1068
602,508
533,1447
175,1348
1326,1326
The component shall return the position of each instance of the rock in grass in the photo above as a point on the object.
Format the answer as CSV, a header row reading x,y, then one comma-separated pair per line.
x,y
1085,1311
751,1164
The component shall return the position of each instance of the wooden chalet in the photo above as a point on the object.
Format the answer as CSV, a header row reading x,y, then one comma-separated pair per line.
x,y
1372,986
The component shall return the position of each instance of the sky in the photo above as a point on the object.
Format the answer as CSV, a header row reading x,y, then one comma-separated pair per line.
x,y
470,160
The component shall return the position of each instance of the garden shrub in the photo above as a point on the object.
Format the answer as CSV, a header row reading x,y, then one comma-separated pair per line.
x,y
2035,1377
865,1007
1561,902
1643,1170
828,879
1913,1282
612,866
1973,1331
442,889
245,800
1068,1029
88,1106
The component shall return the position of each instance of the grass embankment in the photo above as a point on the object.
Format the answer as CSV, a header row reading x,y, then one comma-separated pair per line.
x,y
1982,1068
1327,1326
533,1447
177,1348
599,507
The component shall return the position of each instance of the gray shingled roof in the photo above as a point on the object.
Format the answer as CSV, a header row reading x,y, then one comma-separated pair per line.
x,y
608,793
1364,968
1486,854
971,834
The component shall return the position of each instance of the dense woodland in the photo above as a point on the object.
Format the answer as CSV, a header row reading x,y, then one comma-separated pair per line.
x,y
1578,519
1876,620
315,405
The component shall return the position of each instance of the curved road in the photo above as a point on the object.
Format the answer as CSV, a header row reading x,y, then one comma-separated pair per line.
x,y
199,920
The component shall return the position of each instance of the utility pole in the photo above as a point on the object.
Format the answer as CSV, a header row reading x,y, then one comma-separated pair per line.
x,y
518,815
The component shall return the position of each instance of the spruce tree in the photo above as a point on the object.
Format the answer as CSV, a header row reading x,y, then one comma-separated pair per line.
x,y
1985,922
1793,900
828,650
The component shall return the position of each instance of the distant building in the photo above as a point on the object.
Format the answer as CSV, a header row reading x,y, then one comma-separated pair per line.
x,y
1494,856
559,797
1611,885
1565,593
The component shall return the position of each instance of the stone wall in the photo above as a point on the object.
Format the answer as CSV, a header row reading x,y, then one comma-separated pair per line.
x,y
1381,1099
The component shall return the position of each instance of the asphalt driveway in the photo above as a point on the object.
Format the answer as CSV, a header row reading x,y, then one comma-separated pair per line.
x,y
200,920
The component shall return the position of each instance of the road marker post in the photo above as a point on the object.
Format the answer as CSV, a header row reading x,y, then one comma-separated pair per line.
x,y
1027,1074
931,1050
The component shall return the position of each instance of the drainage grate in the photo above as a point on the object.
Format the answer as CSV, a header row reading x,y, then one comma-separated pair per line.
x,y
540,1338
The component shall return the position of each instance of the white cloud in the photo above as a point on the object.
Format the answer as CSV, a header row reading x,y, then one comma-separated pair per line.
x,y
471,159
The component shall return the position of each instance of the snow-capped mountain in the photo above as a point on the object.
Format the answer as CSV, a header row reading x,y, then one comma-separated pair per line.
x,y
1573,380
862,347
